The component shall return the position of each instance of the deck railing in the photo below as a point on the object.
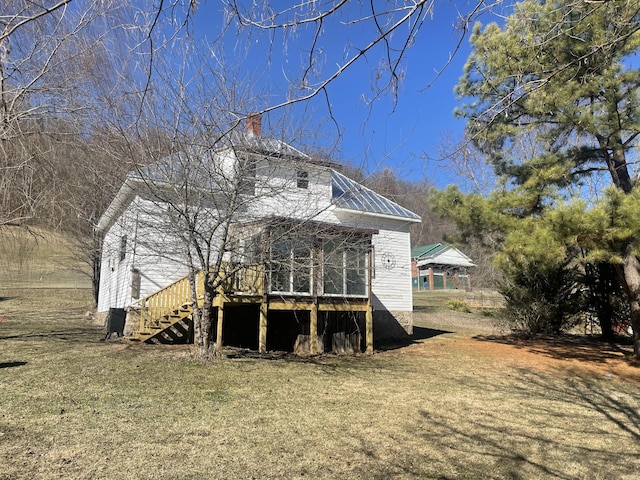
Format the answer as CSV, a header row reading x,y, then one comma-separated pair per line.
x,y
238,279
245,279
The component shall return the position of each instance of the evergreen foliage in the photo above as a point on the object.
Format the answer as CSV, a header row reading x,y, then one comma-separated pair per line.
x,y
552,98
541,299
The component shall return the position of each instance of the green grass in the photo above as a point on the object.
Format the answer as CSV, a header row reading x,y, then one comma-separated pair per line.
x,y
477,298
73,406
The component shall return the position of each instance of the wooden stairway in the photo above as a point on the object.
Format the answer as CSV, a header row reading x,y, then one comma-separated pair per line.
x,y
173,327
166,315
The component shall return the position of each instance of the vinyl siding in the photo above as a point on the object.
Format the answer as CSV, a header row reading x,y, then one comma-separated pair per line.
x,y
391,285
150,248
277,194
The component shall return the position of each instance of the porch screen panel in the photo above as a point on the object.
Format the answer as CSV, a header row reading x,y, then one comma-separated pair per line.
x,y
281,266
333,278
356,271
301,266
291,266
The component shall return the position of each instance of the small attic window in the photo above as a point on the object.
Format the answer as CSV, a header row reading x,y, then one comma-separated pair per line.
x,y
303,179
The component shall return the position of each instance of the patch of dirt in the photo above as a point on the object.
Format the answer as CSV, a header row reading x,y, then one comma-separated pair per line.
x,y
581,354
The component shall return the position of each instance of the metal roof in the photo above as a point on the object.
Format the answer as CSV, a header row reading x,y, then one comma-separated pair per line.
x,y
439,254
350,195
427,250
264,145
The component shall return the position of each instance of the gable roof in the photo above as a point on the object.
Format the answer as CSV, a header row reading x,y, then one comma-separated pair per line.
x,y
439,254
264,145
348,194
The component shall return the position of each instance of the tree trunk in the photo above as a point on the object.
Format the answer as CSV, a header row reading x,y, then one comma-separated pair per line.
x,y
206,348
196,312
631,272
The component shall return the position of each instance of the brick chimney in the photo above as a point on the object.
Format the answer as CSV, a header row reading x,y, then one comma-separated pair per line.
x,y
254,124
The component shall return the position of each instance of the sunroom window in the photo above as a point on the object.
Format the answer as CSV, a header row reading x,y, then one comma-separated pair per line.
x,y
345,268
291,266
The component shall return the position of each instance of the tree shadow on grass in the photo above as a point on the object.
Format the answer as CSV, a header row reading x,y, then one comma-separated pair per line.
x,y
573,427
584,348
79,334
11,364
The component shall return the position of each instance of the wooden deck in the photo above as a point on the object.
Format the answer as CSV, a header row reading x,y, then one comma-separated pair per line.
x,y
165,314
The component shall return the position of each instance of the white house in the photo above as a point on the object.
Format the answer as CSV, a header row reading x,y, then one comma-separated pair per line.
x,y
327,253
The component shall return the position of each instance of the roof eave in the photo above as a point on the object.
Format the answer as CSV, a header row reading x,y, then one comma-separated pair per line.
x,y
378,215
120,202
433,261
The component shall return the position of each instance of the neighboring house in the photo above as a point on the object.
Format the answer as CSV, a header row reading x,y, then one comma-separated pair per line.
x,y
316,261
437,266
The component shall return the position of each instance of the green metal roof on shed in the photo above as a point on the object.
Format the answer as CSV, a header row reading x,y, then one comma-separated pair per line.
x,y
439,254
427,250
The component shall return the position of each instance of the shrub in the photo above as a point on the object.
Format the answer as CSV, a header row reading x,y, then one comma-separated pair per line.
x,y
458,305
541,299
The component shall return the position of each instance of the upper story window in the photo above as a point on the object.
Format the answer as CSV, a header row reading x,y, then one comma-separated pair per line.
x,y
302,179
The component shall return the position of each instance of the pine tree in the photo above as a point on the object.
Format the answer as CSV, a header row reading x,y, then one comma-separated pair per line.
x,y
559,82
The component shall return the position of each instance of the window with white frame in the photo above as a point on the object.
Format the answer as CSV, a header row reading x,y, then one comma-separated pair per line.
x,y
302,179
247,172
123,247
344,268
291,265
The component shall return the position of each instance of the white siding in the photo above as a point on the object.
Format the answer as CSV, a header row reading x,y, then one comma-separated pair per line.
x,y
150,248
115,272
391,286
158,253
277,193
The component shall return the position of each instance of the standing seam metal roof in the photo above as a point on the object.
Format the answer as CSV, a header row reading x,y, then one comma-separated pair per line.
x,y
350,195
430,250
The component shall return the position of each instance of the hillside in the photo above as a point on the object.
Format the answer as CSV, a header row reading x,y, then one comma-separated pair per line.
x,y
39,258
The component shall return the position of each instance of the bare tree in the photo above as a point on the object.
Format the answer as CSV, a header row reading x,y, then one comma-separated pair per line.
x,y
198,172
46,94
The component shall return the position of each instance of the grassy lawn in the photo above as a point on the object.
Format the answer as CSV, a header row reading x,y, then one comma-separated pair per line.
x,y
458,403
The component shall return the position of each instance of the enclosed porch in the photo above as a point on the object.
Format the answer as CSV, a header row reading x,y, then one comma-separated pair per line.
x,y
303,290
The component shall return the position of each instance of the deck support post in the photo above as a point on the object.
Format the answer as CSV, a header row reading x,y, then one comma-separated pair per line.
x,y
262,333
219,326
369,328
313,330
431,278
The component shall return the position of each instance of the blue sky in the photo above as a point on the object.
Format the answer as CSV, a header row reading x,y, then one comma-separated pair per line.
x,y
385,135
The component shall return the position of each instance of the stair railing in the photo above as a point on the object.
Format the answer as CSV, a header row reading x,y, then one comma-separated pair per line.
x,y
165,301
241,279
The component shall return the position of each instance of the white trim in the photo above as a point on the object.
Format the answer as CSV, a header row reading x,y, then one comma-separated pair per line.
x,y
377,215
